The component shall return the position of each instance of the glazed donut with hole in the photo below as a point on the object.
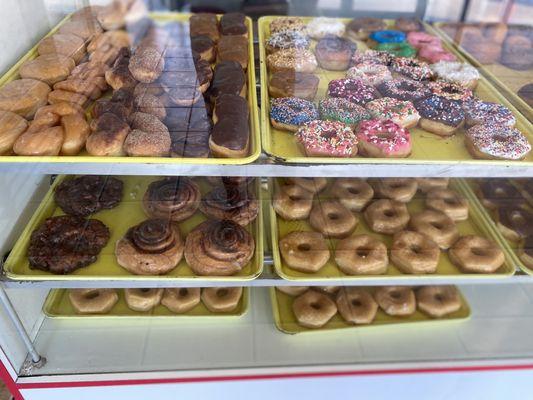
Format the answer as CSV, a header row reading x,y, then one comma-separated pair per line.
x,y
361,255
449,202
221,299
313,185
398,189
396,300
304,251
437,226
332,219
143,299
387,216
352,193
438,301
427,184
313,309
356,306
329,289
476,254
414,253
292,202
181,300
93,301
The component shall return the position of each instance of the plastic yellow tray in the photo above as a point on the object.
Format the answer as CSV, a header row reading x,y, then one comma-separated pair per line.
x,y
84,157
477,224
57,305
509,80
286,322
119,219
427,148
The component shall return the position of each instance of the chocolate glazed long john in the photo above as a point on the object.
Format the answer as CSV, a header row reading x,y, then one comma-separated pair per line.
x,y
173,198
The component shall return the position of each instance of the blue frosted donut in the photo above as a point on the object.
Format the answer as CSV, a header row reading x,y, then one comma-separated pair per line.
x,y
388,36
289,113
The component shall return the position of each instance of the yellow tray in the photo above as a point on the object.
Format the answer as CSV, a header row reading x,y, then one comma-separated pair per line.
x,y
84,157
57,305
119,219
286,322
427,148
477,224
509,80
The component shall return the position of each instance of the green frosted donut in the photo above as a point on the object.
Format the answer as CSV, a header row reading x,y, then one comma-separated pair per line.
x,y
402,49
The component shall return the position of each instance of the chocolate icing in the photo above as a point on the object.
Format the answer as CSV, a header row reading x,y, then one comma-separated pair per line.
x,y
442,110
228,78
516,219
199,44
230,105
232,133
500,192
329,45
366,24
233,24
233,48
189,144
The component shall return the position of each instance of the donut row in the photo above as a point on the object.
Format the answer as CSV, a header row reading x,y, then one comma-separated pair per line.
x,y
417,238
314,307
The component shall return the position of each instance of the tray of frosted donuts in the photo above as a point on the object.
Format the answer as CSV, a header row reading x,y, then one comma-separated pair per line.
x,y
358,229
155,302
139,227
301,309
368,90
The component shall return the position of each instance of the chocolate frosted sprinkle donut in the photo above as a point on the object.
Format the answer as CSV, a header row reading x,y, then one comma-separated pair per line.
x,y
230,202
498,142
414,69
450,91
373,57
353,90
441,110
479,112
404,89
287,40
174,198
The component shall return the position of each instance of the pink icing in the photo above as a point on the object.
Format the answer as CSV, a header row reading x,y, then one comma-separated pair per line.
x,y
327,138
419,39
388,136
434,54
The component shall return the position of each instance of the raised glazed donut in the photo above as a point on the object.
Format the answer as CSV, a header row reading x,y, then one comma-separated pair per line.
x,y
396,300
427,184
353,193
292,202
382,139
313,185
289,113
414,253
437,226
361,255
475,254
386,216
175,198
327,139
93,301
400,112
438,301
342,110
353,90
496,142
181,300
304,251
313,309
332,219
142,299
448,202
334,53
398,189
356,306
221,299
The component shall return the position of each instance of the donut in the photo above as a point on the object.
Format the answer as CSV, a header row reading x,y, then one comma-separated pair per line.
x,y
369,73
334,53
525,252
304,251
450,91
420,39
361,255
526,93
404,89
181,300
439,115
525,187
479,112
289,113
398,189
435,225
287,24
221,299
327,139
234,203
397,49
342,110
293,60
398,301
408,24
414,253
360,28
449,202
320,27
176,198
143,299
496,142
292,202
293,290
328,289
286,40
387,36
372,57
293,84
354,90
411,68
92,301
514,222
476,254
356,306
352,193
401,112
434,53
496,192
313,309
386,216
438,301
427,184
456,72
332,219
313,185
383,139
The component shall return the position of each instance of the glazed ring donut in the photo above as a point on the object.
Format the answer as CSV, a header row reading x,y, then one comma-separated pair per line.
x,y
93,301
332,219
414,253
396,300
361,255
514,222
292,290
353,193
387,216
313,185
448,202
292,202
181,300
142,299
475,254
398,189
525,252
304,251
356,306
437,226
221,299
313,309
427,184
329,289
438,301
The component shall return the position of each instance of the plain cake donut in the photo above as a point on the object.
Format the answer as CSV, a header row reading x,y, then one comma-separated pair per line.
x,y
396,300
414,253
332,219
398,189
448,202
438,301
356,306
361,255
475,254
304,251
292,202
181,300
142,299
313,309
353,193
437,226
221,299
93,301
387,216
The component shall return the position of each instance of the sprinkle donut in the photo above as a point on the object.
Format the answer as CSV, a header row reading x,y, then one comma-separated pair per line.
x,y
400,112
457,72
439,115
381,139
411,68
294,60
371,74
287,24
289,113
397,49
327,139
450,91
372,57
287,40
479,112
420,39
496,142
404,89
338,109
354,90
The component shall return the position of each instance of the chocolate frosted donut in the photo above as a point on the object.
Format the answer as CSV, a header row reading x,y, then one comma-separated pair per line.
x,y
514,222
66,243
189,144
448,115
234,203
496,192
408,25
228,78
404,89
526,93
87,195
233,24
218,248
353,90
293,84
176,198
333,53
360,28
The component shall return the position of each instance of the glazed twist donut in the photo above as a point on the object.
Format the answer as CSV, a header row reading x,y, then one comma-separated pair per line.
x,y
332,219
313,309
475,254
353,193
414,253
396,300
356,306
230,202
438,301
175,198
361,255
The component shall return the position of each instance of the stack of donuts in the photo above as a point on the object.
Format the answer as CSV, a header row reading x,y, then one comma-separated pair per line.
x,y
352,220
386,91
314,307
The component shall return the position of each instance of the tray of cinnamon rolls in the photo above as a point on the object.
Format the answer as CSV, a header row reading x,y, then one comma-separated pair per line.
x,y
196,303
143,88
301,309
368,90
357,229
138,228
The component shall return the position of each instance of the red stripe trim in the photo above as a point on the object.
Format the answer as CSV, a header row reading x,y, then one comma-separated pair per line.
x,y
296,375
5,376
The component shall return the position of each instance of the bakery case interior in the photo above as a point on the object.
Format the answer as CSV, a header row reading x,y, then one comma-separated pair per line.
x,y
221,185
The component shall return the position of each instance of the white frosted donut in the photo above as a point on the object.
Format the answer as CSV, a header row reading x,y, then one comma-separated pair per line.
x,y
457,72
322,26
370,73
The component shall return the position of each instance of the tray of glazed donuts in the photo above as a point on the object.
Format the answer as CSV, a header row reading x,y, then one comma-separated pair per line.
x,y
355,229
132,228
299,309
154,302
165,88
368,90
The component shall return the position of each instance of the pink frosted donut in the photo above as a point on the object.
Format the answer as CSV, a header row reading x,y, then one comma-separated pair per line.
x,y
327,139
419,39
434,54
385,138
354,90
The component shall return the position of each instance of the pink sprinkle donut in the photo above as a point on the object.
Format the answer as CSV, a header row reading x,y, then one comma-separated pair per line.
x,y
419,39
434,54
371,74
400,112
383,139
354,90
498,142
327,139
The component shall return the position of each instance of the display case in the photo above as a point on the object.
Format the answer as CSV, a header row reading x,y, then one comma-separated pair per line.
x,y
209,199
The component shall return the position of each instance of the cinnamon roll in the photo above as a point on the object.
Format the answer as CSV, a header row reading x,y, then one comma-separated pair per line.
x,y
218,247
175,198
154,247
230,202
